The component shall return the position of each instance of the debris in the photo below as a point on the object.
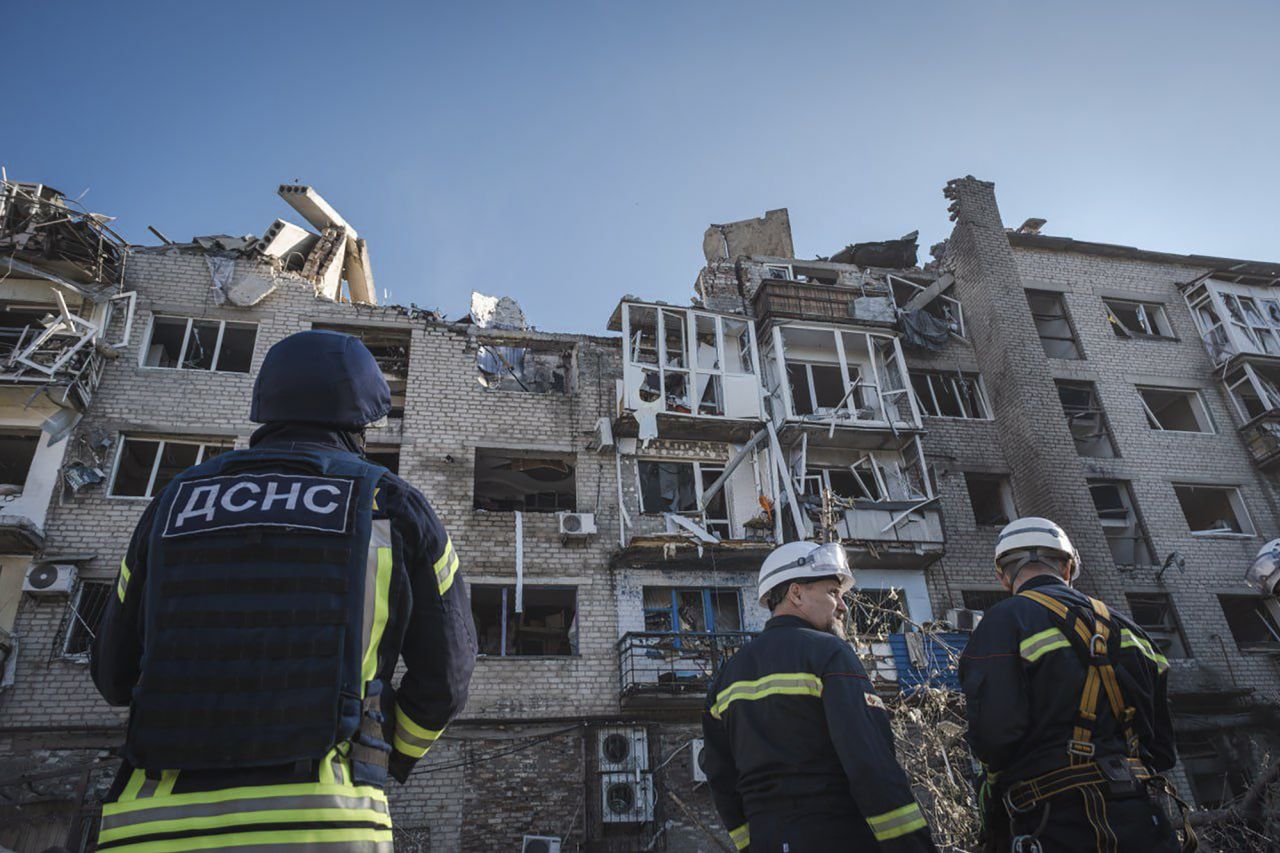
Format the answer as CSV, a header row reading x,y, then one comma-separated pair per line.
x,y
646,415
220,270
288,242
769,235
889,254
527,367
79,476
496,312
922,330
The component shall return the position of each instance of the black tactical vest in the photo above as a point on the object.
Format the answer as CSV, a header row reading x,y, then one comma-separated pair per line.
x,y
264,594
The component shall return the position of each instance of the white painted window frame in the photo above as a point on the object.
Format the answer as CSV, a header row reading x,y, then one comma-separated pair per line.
x,y
1145,311
697,483
975,378
155,462
1247,528
186,340
1197,403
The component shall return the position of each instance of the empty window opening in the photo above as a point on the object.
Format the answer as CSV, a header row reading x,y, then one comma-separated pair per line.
x,y
390,348
877,612
982,599
84,614
1057,337
1175,410
1137,319
508,480
667,486
949,395
17,450
387,457
991,499
535,368
1215,780
547,625
1153,612
669,610
186,343
1254,389
815,388
144,466
1252,622
1086,419
1211,510
1125,533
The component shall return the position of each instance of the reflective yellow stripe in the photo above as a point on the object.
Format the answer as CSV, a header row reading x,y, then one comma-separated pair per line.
x,y
382,586
134,785
1128,639
244,818
1038,645
168,778
779,684
896,823
446,567
252,792
286,838
741,837
123,583
410,738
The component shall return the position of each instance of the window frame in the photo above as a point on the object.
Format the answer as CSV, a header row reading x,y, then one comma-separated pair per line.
x,y
1134,521
1156,634
1247,528
161,441
1106,431
1004,489
508,601
975,379
1200,410
1065,316
1271,620
708,609
73,615
697,483
145,349
1144,312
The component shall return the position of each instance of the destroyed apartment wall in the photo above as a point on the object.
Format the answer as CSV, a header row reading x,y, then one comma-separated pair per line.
x,y
768,235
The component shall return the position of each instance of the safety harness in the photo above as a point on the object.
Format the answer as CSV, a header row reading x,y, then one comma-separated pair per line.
x,y
1094,638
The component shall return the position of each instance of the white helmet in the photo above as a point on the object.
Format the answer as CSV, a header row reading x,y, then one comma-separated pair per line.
x,y
1028,537
799,561
1264,573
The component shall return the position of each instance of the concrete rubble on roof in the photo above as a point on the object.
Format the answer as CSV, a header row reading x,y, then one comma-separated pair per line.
x,y
768,235
496,312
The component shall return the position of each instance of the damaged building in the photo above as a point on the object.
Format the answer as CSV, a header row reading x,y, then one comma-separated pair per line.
x,y
612,496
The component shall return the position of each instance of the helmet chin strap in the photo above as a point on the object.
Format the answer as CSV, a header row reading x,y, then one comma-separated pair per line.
x,y
1032,555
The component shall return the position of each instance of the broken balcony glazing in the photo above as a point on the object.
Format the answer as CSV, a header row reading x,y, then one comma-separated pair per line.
x,y
841,379
680,361
1235,319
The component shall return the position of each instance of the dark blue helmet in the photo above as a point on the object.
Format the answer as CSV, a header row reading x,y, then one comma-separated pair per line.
x,y
322,378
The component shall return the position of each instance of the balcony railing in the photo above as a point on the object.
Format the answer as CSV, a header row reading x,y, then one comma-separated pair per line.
x,y
1262,436
827,303
662,667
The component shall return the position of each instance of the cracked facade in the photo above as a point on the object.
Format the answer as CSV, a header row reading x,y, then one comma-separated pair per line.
x,y
612,496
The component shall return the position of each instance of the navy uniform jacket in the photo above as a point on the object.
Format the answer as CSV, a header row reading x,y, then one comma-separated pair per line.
x,y
434,632
792,723
1023,681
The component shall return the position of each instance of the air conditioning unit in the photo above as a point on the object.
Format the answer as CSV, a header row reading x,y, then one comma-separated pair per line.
x,y
602,437
964,620
540,844
577,525
48,579
699,775
626,785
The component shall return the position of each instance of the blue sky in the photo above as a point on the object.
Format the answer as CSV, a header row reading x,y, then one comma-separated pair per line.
x,y
567,153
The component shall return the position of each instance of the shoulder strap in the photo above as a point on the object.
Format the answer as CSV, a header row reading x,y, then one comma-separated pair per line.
x,y
1093,636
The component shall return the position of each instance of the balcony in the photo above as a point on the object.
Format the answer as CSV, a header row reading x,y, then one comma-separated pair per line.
x,y
666,670
686,374
824,303
1262,436
906,663
893,534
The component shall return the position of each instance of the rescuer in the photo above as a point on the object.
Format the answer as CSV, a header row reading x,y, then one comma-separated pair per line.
x,y
798,751
260,611
1067,709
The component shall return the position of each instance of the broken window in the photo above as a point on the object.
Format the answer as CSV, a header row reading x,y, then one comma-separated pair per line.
x,y
991,499
1254,389
1153,612
144,466
509,480
876,612
1252,622
387,457
859,482
815,388
717,512
982,599
1086,419
1049,312
1125,533
543,623
533,368
1213,510
1215,782
673,610
1175,410
17,450
84,614
668,486
1209,322
738,346
19,326
944,307
390,348
1137,319
778,272
186,343
950,395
